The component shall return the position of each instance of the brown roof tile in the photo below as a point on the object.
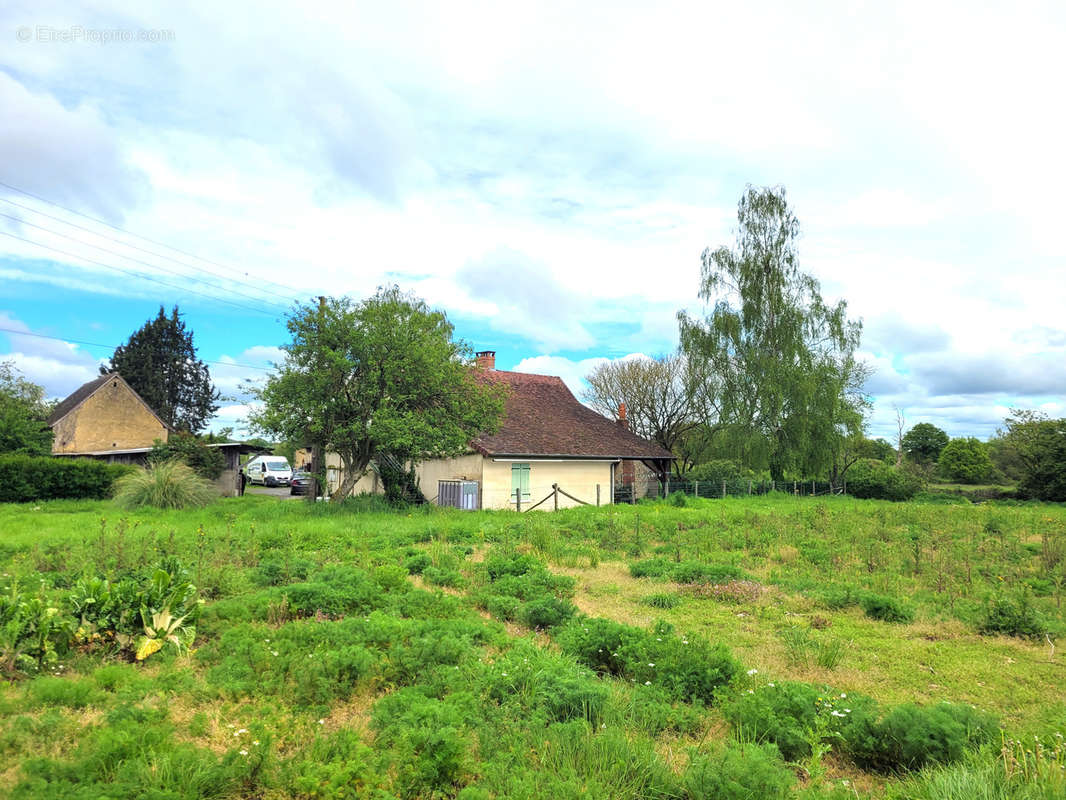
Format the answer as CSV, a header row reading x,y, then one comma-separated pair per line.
x,y
542,418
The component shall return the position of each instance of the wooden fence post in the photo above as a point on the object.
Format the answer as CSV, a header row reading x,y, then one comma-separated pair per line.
x,y
597,494
697,483
555,495
794,491
518,499
723,489
749,487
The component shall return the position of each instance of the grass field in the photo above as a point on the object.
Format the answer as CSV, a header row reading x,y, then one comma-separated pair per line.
x,y
757,647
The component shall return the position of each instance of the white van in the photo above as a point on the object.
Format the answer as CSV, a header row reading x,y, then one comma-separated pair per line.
x,y
268,470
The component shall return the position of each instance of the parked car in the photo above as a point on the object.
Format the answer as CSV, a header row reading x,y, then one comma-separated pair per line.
x,y
269,471
301,483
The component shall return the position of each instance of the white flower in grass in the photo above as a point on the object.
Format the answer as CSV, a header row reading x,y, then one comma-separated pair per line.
x,y
647,683
244,752
753,671
651,663
321,722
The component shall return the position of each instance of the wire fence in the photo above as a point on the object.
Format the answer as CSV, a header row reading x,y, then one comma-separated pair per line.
x,y
653,489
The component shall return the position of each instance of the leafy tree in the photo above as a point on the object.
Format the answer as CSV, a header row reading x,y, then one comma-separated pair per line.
x,y
159,361
207,462
379,376
783,358
965,460
23,412
1040,445
661,396
923,442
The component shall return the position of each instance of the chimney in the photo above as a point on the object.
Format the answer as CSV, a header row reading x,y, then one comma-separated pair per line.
x,y
622,416
486,359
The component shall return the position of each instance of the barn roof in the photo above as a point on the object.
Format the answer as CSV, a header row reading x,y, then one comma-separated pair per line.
x,y
87,390
542,418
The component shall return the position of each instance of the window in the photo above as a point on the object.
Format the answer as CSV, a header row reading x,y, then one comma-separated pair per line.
x,y
520,480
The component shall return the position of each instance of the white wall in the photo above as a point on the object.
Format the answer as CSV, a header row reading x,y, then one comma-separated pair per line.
x,y
579,478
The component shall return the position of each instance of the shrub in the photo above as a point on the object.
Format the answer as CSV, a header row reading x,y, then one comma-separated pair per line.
x,y
684,571
1013,615
664,600
677,499
26,478
872,479
336,591
886,609
715,472
417,563
207,462
787,714
700,572
278,573
442,576
739,772
546,612
428,738
910,736
651,568
170,484
965,460
686,668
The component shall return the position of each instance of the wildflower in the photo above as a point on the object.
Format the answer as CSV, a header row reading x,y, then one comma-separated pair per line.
x,y
242,730
651,663
321,722
754,671
504,674
750,691
842,694
647,683
244,752
256,742
771,683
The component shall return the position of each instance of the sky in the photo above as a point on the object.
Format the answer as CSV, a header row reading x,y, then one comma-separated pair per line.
x,y
546,173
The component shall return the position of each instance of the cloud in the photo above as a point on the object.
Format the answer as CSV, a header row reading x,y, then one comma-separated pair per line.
x,y
529,300
572,372
1040,374
69,155
58,366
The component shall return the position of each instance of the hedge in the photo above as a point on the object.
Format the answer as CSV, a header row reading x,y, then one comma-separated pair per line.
x,y
26,479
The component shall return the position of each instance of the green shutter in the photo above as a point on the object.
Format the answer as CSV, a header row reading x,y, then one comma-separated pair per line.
x,y
520,480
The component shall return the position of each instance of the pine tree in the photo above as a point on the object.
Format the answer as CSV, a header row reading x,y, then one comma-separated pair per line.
x,y
159,361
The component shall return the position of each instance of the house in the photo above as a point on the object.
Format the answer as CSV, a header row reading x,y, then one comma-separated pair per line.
x,y
547,439
106,419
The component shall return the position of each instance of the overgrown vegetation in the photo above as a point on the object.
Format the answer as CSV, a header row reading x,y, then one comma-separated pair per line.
x,y
773,647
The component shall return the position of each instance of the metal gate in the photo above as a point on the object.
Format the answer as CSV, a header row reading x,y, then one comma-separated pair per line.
x,y
459,494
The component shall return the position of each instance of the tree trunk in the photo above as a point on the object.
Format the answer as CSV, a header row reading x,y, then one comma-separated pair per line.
x,y
352,475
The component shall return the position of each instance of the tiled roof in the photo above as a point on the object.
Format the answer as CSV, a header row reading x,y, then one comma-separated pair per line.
x,y
76,398
542,418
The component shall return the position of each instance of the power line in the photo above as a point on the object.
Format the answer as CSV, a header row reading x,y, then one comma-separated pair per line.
x,y
142,238
136,236
140,275
137,260
141,249
115,347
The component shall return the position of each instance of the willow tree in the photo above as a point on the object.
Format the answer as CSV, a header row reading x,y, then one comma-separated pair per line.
x,y
782,357
380,376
